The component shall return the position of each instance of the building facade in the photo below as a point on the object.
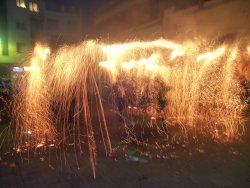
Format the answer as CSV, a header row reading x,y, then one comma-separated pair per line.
x,y
178,20
26,22
61,25
214,19
126,19
15,35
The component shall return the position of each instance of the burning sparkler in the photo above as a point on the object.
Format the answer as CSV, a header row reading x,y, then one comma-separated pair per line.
x,y
202,90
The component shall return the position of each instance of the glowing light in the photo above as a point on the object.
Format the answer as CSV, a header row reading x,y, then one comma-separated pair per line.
x,y
21,3
106,64
45,53
128,65
28,69
39,145
17,69
42,52
191,94
210,56
33,7
176,53
18,150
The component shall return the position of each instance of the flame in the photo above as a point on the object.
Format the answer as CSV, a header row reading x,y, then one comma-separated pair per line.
x,y
200,90
248,50
211,56
176,53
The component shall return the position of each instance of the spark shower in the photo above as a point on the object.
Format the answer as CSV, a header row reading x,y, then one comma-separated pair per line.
x,y
202,81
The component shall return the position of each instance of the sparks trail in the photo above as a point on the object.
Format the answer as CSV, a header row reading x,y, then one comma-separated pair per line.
x,y
177,83
203,85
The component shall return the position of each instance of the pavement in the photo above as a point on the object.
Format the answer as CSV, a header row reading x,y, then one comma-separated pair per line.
x,y
222,165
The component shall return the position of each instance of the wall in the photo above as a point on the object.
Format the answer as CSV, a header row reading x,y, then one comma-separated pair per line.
x,y
129,19
15,35
62,27
216,18
180,19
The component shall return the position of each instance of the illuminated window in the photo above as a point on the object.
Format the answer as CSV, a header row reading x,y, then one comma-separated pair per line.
x,y
21,3
33,7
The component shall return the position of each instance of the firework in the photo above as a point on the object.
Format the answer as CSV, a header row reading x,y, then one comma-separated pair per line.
x,y
180,83
203,85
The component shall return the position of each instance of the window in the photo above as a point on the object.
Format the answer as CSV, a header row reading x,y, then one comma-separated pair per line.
x,y
21,3
20,47
4,47
33,7
20,25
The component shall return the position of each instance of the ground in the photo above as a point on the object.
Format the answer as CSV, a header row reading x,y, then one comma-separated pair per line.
x,y
198,165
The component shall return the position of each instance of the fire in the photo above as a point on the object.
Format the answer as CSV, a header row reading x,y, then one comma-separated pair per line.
x,y
200,89
248,50
211,56
192,84
176,53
